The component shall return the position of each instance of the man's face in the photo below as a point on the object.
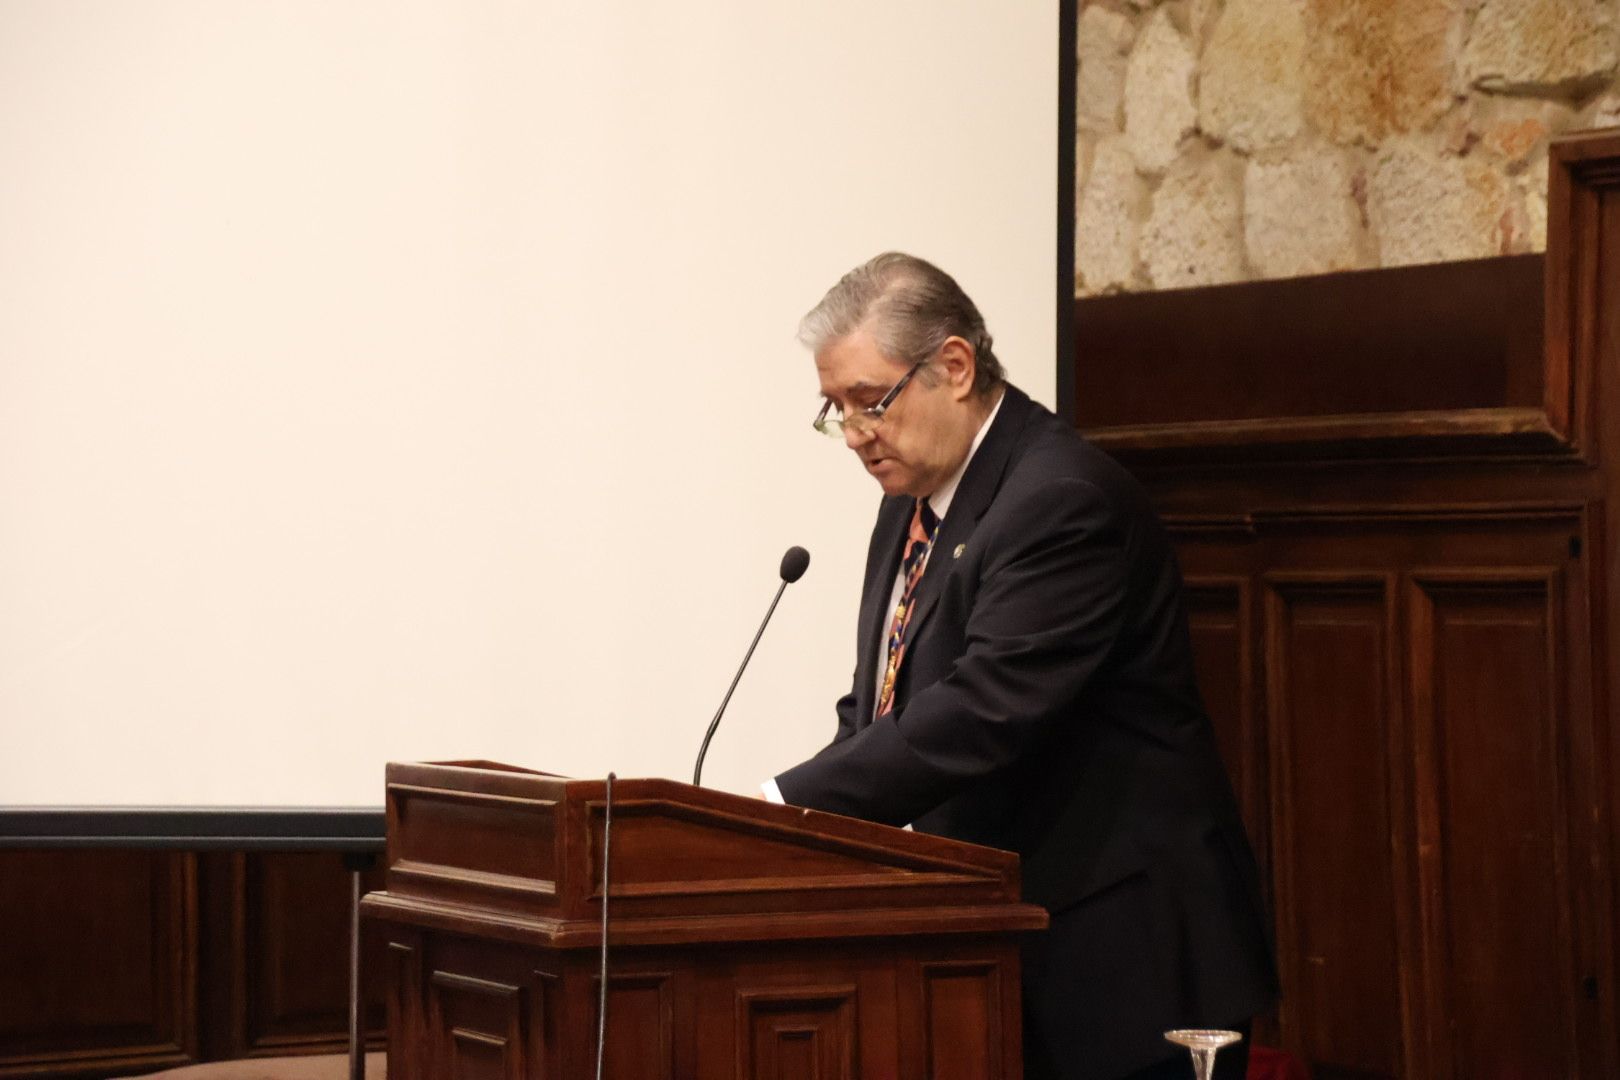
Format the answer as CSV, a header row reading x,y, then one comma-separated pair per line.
x,y
925,434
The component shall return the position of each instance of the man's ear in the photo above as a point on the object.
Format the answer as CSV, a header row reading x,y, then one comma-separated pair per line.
x,y
960,364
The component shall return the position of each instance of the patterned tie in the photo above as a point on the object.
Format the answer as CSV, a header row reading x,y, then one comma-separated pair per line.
x,y
924,528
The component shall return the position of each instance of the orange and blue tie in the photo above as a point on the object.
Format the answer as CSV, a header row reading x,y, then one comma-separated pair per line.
x,y
924,529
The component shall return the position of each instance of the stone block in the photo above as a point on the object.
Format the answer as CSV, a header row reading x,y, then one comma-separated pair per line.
x,y
1107,222
1102,46
1604,112
1300,215
1159,110
1514,130
1085,148
1379,67
1513,140
1543,46
1201,16
1428,206
1458,130
1250,93
1194,234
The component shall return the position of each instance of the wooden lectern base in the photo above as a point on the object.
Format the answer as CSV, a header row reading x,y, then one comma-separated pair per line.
x,y
746,940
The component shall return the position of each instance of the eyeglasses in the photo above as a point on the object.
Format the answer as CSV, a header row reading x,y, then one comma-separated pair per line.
x,y
865,420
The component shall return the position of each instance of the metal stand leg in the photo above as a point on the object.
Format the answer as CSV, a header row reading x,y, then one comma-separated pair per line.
x,y
357,1049
356,862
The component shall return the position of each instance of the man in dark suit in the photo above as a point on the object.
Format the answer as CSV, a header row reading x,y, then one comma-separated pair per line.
x,y
1024,680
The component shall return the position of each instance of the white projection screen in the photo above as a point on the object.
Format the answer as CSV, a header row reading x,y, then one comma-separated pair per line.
x,y
416,380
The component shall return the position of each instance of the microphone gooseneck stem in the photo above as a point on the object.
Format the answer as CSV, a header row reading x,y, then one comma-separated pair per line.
x,y
697,773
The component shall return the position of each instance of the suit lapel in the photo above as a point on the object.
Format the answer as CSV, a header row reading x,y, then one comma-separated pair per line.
x,y
882,564
973,497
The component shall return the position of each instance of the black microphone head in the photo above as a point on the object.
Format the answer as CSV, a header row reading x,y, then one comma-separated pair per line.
x,y
794,564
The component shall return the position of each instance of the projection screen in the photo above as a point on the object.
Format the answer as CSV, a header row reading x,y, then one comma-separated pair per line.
x,y
411,381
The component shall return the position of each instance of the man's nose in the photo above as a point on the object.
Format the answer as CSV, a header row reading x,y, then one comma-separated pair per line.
x,y
854,438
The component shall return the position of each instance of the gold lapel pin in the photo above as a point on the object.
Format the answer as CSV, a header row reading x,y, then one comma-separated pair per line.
x,y
957,554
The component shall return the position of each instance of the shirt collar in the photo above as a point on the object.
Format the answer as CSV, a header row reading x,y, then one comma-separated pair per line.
x,y
940,501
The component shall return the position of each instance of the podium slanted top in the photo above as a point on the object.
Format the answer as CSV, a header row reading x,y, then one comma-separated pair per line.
x,y
524,849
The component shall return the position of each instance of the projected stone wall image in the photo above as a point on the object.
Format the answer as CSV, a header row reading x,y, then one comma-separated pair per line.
x,y
1236,140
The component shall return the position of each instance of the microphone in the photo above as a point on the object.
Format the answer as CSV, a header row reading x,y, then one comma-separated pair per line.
x,y
794,563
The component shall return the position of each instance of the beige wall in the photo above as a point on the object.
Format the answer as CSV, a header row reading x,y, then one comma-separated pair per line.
x,y
416,378
1230,140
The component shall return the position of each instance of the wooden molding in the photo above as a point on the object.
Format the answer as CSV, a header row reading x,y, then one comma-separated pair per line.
x,y
1582,171
1488,359
1529,432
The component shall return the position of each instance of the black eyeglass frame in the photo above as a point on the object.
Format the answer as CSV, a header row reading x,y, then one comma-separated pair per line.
x,y
867,418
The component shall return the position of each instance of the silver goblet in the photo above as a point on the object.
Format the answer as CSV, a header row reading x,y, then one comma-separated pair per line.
x,y
1202,1044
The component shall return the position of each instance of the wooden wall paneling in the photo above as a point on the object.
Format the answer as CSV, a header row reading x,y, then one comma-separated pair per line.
x,y
115,961
1583,300
1478,483
293,943
1501,781
1295,369
275,954
1595,831
1581,284
1554,552
221,991
1221,621
1331,704
1592,821
98,964
1222,560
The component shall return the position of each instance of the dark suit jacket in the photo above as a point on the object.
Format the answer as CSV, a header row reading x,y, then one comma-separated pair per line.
x,y
1047,705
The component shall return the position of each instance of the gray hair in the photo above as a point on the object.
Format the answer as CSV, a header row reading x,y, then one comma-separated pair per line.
x,y
910,307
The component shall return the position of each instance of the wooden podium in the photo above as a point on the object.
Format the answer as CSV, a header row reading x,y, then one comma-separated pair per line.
x,y
745,939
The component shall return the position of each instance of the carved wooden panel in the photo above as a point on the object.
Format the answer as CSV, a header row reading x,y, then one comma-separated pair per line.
x,y
803,1008
402,975
97,961
1328,641
640,1027
962,1003
545,1038
475,1028
1488,689
504,853
1220,623
797,1033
